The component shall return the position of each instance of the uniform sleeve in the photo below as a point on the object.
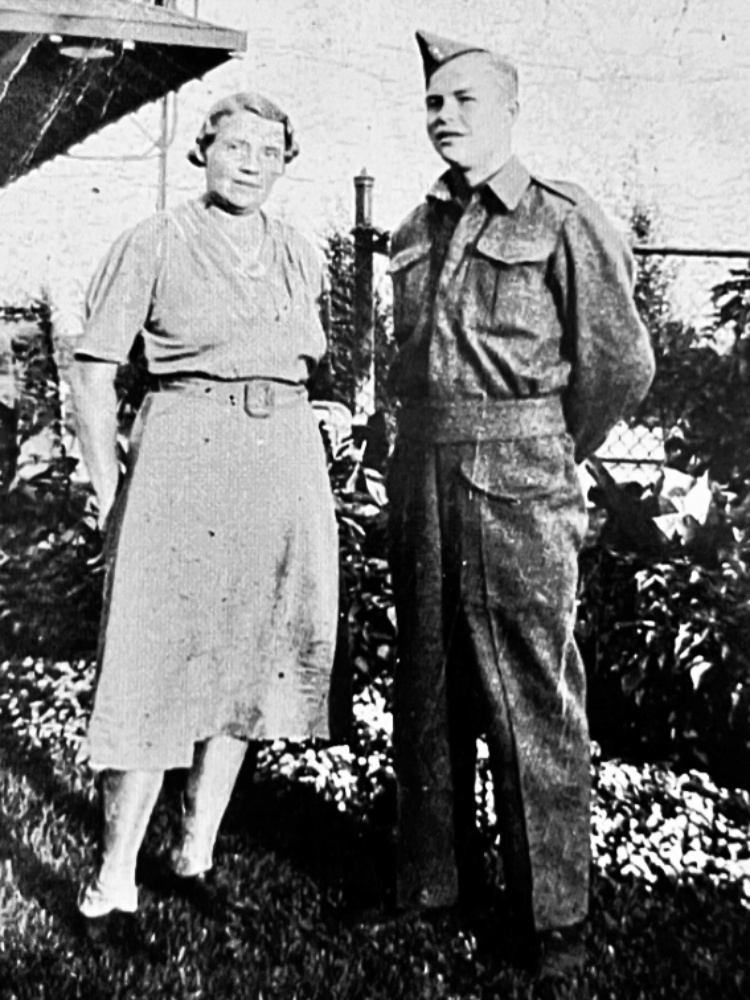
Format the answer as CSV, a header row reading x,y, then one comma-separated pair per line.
x,y
604,339
119,297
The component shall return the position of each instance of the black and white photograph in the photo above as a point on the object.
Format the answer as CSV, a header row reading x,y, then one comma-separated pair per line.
x,y
374,500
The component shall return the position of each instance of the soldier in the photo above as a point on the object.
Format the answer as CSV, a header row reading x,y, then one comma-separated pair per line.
x,y
519,347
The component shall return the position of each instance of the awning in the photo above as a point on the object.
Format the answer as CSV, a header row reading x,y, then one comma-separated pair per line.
x,y
70,67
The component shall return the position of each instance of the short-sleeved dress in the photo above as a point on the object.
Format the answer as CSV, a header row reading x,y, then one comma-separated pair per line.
x,y
222,582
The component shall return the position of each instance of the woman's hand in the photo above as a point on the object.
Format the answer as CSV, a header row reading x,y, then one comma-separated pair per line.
x,y
106,499
96,409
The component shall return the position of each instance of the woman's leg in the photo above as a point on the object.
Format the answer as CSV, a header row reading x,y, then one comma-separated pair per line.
x,y
216,764
129,799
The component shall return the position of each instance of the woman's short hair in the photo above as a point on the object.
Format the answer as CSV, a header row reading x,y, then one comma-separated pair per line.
x,y
232,105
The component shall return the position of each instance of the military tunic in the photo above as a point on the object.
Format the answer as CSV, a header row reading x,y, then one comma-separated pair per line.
x,y
519,348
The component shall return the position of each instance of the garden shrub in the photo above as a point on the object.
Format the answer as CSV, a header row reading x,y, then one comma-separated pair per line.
x,y
348,363
664,623
32,410
665,644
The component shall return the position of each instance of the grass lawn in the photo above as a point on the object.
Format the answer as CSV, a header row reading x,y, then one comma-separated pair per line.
x,y
309,839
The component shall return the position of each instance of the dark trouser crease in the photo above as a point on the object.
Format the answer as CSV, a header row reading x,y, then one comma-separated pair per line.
x,y
426,866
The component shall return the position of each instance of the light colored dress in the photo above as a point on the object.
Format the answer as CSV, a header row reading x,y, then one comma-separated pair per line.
x,y
222,593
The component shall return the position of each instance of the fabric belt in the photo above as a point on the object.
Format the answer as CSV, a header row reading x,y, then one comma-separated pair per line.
x,y
481,419
258,397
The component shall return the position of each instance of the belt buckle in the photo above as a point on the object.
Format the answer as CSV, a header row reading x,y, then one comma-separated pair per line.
x,y
259,398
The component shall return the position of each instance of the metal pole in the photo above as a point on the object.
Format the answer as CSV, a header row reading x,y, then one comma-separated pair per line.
x,y
161,200
364,313
161,197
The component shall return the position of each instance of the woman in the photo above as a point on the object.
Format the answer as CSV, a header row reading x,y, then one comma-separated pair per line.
x,y
222,589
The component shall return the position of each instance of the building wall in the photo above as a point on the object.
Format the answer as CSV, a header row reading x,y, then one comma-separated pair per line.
x,y
642,102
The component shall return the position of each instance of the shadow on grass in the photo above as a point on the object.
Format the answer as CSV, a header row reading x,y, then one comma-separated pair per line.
x,y
36,880
38,768
54,803
351,862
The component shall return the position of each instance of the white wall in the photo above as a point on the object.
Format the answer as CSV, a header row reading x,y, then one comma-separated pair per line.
x,y
640,100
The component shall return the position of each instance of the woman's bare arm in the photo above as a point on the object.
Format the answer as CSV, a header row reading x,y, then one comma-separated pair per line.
x,y
93,385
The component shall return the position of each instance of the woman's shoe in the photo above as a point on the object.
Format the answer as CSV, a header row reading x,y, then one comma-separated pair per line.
x,y
107,913
96,900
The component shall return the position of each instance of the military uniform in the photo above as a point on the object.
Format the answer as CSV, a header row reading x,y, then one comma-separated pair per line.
x,y
519,348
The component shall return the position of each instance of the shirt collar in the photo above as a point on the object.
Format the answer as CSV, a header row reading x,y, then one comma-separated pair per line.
x,y
509,184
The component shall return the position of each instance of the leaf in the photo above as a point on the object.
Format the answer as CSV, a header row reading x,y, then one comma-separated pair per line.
x,y
698,671
630,682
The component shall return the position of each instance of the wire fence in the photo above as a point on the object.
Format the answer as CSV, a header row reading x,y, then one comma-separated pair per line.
x,y
634,452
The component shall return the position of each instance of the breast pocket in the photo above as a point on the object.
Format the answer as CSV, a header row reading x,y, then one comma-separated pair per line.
x,y
510,283
410,272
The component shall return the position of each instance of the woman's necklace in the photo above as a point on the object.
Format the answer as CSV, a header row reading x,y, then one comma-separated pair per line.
x,y
246,259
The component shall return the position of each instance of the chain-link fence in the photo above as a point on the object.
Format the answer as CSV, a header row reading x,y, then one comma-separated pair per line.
x,y
634,452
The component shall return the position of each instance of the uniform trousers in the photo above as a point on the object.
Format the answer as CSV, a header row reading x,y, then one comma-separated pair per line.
x,y
484,538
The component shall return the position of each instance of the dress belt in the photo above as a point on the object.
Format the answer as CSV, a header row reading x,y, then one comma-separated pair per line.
x,y
480,419
258,397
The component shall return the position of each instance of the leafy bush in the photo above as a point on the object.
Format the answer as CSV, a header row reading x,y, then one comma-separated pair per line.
x,y
665,645
664,619
33,355
32,425
349,362
700,394
664,626
362,517
51,574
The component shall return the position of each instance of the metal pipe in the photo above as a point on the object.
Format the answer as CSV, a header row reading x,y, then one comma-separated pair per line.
x,y
363,185
161,197
364,312
161,200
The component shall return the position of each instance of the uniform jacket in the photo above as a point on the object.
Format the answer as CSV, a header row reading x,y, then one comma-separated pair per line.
x,y
524,291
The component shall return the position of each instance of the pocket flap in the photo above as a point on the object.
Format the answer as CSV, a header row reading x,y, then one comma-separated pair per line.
x,y
515,249
526,469
408,256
